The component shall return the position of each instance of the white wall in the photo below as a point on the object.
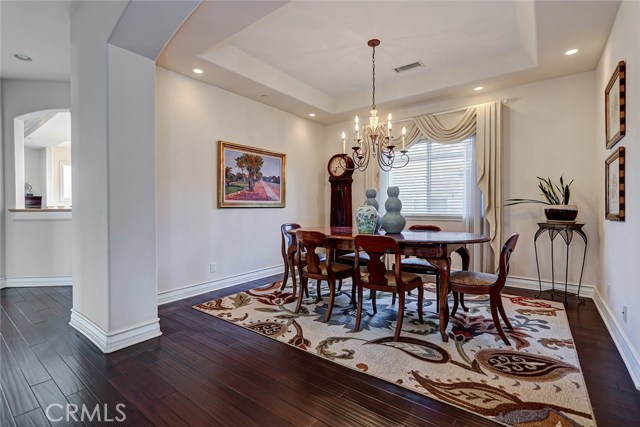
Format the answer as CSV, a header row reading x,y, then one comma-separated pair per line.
x,y
33,248
2,192
192,232
620,241
548,131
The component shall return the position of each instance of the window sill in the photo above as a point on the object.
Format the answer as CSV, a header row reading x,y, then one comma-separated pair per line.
x,y
40,214
433,218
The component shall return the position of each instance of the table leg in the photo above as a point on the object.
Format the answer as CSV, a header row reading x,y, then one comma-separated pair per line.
x,y
444,266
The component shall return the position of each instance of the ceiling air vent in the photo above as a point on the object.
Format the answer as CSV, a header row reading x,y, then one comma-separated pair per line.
x,y
409,66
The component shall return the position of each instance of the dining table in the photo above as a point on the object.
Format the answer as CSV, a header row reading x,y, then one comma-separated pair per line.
x,y
436,246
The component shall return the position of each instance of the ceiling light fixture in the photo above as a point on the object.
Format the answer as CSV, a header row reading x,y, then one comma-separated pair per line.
x,y
22,57
571,52
375,140
478,88
312,114
197,71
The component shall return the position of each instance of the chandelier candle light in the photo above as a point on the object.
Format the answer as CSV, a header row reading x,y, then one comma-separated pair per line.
x,y
375,140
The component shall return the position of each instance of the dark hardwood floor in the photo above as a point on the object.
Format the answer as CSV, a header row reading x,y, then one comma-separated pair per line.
x,y
206,372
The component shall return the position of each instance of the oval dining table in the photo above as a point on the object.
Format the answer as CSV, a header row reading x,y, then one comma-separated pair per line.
x,y
437,246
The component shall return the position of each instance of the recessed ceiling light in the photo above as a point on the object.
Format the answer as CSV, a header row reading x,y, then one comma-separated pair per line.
x,y
22,57
197,71
312,114
478,88
571,52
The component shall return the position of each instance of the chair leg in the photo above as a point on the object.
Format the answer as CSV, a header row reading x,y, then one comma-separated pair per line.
x,y
332,295
437,293
373,301
503,313
353,293
396,337
318,294
496,319
455,303
393,299
359,311
293,279
464,307
340,285
303,286
420,297
285,277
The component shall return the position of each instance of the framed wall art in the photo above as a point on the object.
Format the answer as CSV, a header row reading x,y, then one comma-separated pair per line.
x,y
250,177
614,106
614,186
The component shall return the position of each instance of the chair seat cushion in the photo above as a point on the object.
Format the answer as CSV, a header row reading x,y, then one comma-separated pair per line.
x,y
322,258
351,257
471,278
407,278
418,265
336,267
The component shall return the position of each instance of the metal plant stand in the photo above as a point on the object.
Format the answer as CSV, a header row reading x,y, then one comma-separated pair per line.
x,y
565,230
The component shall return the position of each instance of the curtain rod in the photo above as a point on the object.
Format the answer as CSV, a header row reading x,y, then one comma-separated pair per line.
x,y
440,113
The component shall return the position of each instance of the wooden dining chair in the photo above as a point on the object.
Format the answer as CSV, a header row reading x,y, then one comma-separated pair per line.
x,y
471,282
375,276
313,267
288,249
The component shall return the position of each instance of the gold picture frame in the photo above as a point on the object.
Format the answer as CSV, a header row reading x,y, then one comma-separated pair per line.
x,y
614,186
614,106
250,177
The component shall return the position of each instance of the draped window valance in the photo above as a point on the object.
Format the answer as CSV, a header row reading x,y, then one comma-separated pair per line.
x,y
485,121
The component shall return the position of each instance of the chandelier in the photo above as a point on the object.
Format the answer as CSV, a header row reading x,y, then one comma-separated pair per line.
x,y
375,140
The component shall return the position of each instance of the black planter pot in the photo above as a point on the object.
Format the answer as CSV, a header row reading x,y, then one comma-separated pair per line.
x,y
561,213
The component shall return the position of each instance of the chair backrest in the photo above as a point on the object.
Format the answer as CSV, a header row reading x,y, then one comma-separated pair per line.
x,y
287,239
308,242
376,247
505,256
424,227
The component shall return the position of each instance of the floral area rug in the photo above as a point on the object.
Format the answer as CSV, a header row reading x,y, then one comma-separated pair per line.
x,y
536,381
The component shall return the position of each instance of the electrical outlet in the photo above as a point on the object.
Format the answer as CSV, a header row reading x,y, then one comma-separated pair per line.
x,y
624,313
213,267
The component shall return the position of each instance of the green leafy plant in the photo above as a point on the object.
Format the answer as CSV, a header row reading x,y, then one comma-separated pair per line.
x,y
555,194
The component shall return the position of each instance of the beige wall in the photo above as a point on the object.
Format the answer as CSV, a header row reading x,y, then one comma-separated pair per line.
x,y
548,131
620,241
191,117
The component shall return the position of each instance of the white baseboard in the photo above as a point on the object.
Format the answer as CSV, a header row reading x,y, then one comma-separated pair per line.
x,y
109,342
29,282
165,297
627,351
586,290
3,282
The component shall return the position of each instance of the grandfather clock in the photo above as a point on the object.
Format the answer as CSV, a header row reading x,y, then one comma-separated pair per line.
x,y
340,169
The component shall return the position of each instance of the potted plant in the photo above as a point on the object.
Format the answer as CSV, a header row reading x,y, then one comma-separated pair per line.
x,y
557,200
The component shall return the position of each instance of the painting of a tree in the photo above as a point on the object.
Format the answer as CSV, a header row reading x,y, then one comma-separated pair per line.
x,y
252,163
250,177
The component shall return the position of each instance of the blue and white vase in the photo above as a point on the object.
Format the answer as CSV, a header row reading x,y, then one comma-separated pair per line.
x,y
366,217
392,221
372,201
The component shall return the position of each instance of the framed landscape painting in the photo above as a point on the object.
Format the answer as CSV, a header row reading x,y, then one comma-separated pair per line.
x,y
250,177
614,186
614,106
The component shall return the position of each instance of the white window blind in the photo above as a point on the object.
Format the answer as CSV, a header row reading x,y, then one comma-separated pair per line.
x,y
433,182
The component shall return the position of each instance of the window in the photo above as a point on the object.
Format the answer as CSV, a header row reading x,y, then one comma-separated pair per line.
x,y
433,182
65,181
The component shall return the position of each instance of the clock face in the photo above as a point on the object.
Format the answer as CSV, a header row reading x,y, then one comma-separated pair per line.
x,y
337,166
